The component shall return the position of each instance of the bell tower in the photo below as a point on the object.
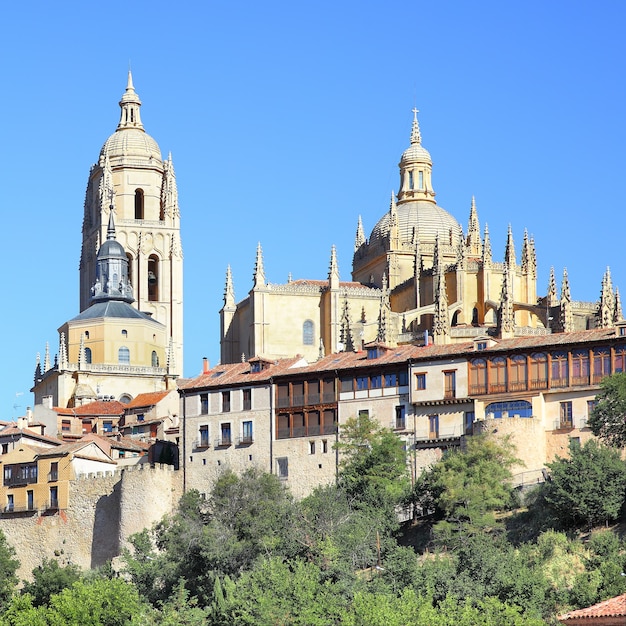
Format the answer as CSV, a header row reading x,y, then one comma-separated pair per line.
x,y
147,221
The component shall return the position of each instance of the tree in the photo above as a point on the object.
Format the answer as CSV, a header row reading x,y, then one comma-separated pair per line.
x,y
608,418
467,486
48,579
8,567
373,466
99,602
589,487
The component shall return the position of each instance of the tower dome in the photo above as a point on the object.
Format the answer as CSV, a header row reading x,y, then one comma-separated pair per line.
x,y
130,141
417,210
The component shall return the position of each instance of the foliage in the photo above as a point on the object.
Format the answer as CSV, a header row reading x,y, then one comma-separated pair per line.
x,y
244,517
373,467
284,592
49,578
589,487
467,486
8,567
608,418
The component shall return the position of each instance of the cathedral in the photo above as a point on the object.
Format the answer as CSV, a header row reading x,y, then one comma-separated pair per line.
x,y
419,278
128,336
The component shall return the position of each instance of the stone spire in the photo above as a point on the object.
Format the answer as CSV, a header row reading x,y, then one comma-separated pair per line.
x,y
473,243
441,321
487,248
38,369
566,317
394,233
385,334
346,336
529,260
130,105
169,191
171,357
229,290
333,270
509,253
606,306
461,253
360,235
82,356
618,316
46,358
259,270
551,297
506,313
62,352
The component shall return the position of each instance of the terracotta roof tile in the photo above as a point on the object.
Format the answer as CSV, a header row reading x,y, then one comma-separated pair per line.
x,y
238,374
25,432
147,399
614,607
93,409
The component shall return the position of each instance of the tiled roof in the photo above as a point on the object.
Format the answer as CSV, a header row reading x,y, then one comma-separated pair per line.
x,y
614,607
147,399
25,432
93,409
238,374
69,448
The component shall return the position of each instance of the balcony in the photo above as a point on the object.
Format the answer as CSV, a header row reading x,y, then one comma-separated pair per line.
x,y
224,441
245,440
563,424
11,509
53,476
201,443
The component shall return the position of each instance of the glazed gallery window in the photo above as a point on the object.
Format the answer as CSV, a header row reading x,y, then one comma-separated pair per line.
x,y
123,356
308,333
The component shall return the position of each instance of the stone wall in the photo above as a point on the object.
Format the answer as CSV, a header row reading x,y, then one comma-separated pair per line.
x,y
103,512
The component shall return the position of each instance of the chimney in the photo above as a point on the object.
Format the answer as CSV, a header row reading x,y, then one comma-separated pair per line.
x,y
47,402
205,365
29,414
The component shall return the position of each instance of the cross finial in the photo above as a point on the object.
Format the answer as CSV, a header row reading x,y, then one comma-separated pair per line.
x,y
416,136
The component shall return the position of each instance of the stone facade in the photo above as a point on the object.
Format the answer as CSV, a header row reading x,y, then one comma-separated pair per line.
x,y
102,512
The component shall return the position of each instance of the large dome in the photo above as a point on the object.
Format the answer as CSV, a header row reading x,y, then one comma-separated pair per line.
x,y
429,219
131,142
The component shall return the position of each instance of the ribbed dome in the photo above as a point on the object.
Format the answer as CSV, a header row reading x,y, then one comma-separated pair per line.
x,y
429,219
112,249
131,142
415,153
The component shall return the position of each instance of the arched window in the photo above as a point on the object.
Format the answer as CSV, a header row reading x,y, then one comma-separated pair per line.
x,y
153,278
123,356
497,375
308,333
516,408
560,369
601,364
124,333
87,355
518,373
619,364
138,204
539,370
478,376
155,359
86,334
125,398
580,367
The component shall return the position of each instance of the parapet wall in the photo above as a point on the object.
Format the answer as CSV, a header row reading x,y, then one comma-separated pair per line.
x,y
103,511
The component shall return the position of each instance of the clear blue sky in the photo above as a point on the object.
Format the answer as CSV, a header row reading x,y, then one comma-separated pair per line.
x,y
286,120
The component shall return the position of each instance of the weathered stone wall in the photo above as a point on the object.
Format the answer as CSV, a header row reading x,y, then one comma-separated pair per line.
x,y
103,512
